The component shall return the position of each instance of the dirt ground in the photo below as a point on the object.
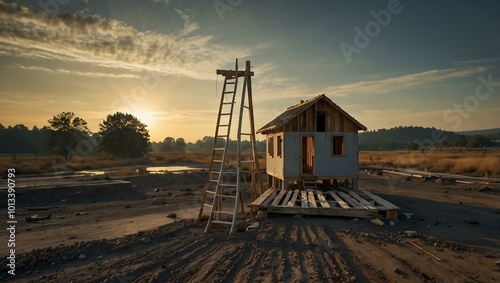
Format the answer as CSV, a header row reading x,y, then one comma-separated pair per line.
x,y
122,234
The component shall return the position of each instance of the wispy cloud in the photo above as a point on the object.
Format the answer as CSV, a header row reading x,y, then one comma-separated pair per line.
x,y
477,61
110,43
74,72
189,25
406,81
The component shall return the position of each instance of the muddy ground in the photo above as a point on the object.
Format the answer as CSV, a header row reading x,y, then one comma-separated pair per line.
x,y
123,234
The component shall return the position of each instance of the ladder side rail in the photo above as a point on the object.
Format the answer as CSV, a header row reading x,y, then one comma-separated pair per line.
x,y
238,154
253,140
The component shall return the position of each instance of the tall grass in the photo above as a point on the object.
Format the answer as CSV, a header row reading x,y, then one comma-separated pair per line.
x,y
473,162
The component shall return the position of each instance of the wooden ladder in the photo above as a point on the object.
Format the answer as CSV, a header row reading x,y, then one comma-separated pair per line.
x,y
223,180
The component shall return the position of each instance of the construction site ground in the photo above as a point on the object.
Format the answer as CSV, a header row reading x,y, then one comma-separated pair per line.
x,y
146,232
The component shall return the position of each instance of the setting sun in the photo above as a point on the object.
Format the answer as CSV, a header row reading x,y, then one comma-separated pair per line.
x,y
145,116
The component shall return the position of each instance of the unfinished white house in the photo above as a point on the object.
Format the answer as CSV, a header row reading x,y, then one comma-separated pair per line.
x,y
311,141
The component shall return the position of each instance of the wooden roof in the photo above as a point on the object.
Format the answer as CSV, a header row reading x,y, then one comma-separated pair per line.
x,y
294,111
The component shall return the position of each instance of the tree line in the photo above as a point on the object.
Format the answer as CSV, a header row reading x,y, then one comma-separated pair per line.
x,y
170,144
119,135
413,138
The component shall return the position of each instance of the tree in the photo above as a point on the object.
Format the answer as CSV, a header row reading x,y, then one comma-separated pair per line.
x,y
123,135
411,145
478,141
168,144
64,133
459,141
180,145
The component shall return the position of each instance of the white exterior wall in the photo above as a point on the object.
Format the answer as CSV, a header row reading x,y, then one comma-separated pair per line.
x,y
326,166
275,164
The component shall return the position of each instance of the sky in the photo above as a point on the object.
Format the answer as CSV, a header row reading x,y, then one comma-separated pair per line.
x,y
387,63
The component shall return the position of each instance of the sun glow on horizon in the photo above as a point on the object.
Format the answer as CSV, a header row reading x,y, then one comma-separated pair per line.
x,y
145,116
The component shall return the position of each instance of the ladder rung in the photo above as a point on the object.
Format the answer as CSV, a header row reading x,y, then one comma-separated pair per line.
x,y
219,148
217,160
228,92
223,212
225,113
246,134
225,196
246,107
209,191
247,161
228,185
221,222
206,204
226,103
212,180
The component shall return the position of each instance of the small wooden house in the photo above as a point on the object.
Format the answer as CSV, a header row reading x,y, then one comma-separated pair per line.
x,y
313,140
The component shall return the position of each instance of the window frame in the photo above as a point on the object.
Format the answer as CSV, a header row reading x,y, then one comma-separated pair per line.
x,y
270,146
334,145
279,146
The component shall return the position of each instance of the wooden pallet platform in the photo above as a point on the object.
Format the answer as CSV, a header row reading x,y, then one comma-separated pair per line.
x,y
331,202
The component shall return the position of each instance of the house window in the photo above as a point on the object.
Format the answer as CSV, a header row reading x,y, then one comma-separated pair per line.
x,y
337,145
280,146
270,146
320,121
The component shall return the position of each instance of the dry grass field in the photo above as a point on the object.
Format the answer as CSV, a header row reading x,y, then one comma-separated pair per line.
x,y
29,164
466,162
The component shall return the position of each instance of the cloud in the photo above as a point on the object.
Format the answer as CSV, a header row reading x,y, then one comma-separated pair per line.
x,y
189,25
73,72
406,81
110,43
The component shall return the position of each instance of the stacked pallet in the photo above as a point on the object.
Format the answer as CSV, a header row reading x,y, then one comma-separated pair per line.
x,y
331,202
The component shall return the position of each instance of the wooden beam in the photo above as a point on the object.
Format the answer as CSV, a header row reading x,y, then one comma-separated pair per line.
x,y
288,196
381,201
230,73
362,200
322,200
294,199
351,201
340,201
278,198
360,213
303,197
311,199
270,198
263,197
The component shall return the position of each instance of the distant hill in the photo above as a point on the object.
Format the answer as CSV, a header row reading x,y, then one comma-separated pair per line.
x,y
487,132
399,137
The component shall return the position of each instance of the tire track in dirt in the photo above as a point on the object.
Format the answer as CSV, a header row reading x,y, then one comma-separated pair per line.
x,y
342,258
321,264
314,267
215,267
378,255
324,255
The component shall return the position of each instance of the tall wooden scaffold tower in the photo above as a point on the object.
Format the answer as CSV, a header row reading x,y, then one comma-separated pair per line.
x,y
225,179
